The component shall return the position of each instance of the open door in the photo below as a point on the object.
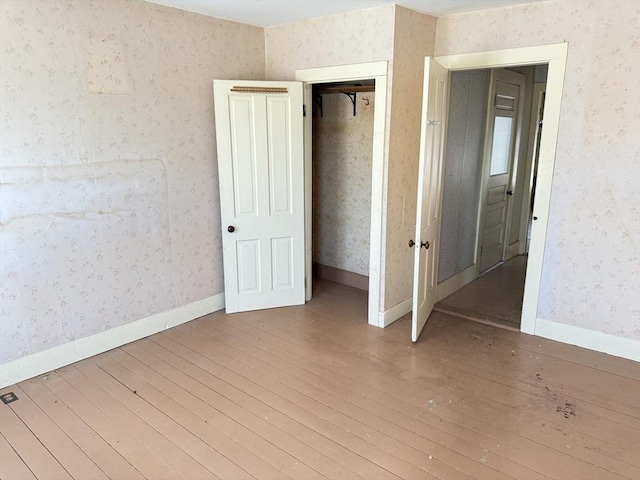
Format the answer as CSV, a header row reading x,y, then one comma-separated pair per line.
x,y
425,276
259,130
503,130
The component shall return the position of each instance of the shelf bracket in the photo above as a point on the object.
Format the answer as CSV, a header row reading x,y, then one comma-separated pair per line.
x,y
352,97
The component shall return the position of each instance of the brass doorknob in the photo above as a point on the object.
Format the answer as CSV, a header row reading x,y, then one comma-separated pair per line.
x,y
426,245
411,243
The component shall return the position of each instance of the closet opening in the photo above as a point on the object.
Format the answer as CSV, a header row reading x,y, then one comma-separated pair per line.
x,y
342,127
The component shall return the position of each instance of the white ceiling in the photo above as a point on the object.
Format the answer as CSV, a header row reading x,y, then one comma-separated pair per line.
x,y
265,13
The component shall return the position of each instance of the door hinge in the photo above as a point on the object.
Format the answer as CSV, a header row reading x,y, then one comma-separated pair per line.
x,y
305,282
304,110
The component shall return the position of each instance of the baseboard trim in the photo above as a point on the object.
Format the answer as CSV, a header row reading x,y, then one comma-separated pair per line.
x,y
581,337
394,313
455,283
513,250
343,277
47,360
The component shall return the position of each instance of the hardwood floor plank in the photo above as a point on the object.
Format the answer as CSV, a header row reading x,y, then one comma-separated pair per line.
x,y
281,460
105,457
66,452
321,428
180,464
144,461
427,364
236,454
233,410
414,448
209,387
586,382
395,456
32,452
526,387
350,441
313,392
536,381
213,461
502,442
444,445
11,465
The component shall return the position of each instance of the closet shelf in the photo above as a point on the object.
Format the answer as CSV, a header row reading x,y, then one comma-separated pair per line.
x,y
346,89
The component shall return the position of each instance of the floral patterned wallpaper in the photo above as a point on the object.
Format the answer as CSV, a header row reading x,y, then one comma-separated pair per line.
x,y
109,208
108,199
353,37
342,154
591,267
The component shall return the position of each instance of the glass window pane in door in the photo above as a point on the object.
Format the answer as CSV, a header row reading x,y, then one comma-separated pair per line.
x,y
501,145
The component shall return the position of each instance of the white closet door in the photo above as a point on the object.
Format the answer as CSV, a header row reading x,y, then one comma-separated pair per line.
x,y
261,171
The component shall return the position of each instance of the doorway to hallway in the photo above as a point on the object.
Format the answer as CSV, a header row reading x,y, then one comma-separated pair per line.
x,y
478,217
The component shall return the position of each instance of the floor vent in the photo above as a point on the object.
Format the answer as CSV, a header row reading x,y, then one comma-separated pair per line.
x,y
9,397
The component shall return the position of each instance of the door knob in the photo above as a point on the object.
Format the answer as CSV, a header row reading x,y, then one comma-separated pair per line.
x,y
422,244
509,192
231,229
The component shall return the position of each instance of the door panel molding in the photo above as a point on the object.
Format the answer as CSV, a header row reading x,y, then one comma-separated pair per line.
x,y
259,136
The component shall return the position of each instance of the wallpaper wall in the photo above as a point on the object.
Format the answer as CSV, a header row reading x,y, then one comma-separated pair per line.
x,y
109,208
414,38
109,204
353,37
468,94
342,153
591,271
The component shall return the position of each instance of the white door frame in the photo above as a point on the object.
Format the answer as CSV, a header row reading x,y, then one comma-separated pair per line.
x,y
362,71
556,56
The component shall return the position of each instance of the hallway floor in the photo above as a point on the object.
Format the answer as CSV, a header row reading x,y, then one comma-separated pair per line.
x,y
495,297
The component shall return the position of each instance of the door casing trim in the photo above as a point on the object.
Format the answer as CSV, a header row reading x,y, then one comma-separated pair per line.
x,y
362,71
556,56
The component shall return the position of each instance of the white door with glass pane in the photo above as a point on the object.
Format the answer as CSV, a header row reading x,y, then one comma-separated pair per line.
x,y
502,135
259,133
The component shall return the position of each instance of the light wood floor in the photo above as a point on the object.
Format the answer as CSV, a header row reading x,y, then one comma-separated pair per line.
x,y
495,297
313,392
